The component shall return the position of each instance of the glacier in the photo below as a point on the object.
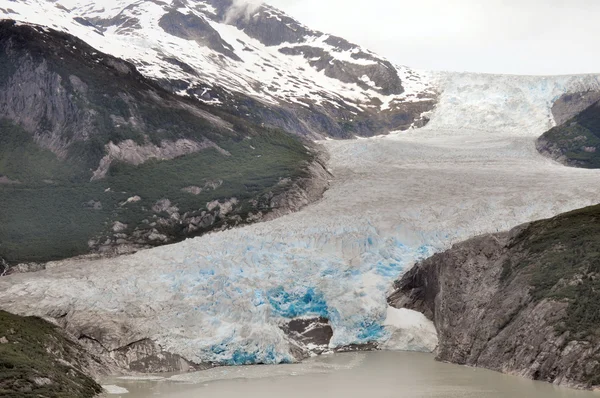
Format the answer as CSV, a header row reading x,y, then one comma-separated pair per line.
x,y
393,200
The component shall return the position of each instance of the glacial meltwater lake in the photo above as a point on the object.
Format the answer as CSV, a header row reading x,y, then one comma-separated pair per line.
x,y
365,375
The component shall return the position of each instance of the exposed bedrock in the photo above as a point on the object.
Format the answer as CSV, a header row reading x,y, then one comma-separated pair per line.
x,y
569,105
576,142
523,302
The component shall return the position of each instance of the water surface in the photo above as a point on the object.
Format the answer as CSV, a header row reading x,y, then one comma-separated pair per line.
x,y
364,375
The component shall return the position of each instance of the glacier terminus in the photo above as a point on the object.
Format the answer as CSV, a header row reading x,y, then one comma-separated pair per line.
x,y
393,200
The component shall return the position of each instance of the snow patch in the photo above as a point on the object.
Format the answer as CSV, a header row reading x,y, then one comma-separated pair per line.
x,y
114,390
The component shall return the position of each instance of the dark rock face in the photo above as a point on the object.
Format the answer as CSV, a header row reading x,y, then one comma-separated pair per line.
x,y
517,302
34,98
576,141
269,30
382,73
192,27
569,105
311,335
273,28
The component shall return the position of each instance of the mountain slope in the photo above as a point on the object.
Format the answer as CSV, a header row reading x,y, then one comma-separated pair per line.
x,y
96,156
576,142
293,77
523,302
38,360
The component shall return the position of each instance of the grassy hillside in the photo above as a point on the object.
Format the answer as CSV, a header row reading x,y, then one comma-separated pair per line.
x,y
562,262
43,221
37,360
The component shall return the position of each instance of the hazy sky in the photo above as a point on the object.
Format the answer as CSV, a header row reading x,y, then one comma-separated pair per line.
x,y
495,36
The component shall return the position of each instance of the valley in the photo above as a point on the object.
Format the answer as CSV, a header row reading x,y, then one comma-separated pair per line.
x,y
222,298
189,185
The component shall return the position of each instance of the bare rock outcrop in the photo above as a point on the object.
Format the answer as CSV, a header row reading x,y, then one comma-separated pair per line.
x,y
130,152
522,302
303,191
575,140
569,105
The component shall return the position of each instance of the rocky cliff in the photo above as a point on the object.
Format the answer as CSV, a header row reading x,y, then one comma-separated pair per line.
x,y
575,141
523,302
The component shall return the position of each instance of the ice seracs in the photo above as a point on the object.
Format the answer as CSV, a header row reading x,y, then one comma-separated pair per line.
x,y
519,105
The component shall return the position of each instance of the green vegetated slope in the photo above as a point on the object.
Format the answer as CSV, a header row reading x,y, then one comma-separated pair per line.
x,y
48,221
64,102
38,360
576,142
560,257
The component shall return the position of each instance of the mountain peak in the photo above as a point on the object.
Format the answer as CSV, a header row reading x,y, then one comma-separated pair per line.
x,y
255,50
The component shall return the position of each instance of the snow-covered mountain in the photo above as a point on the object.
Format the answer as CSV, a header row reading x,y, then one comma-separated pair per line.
x,y
302,80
